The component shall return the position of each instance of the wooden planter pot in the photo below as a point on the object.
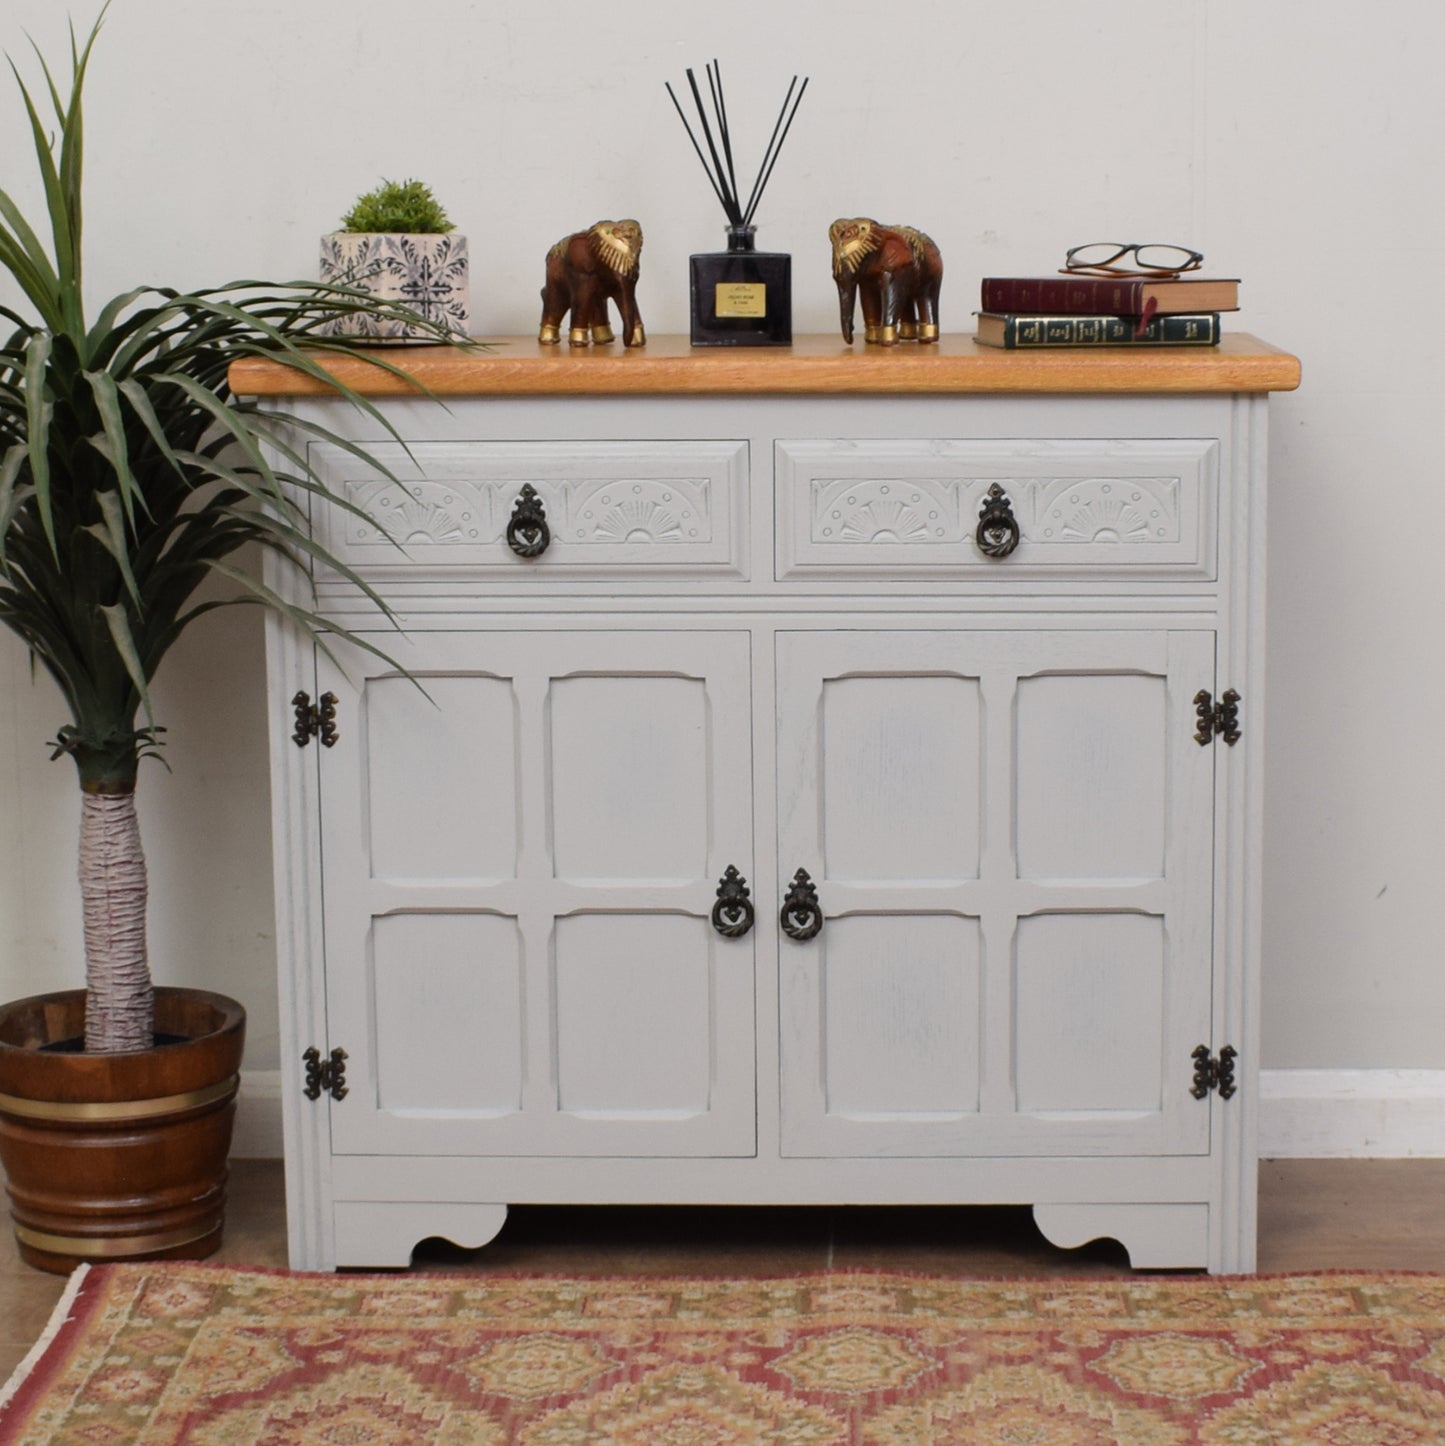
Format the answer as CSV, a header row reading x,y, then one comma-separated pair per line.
x,y
118,1156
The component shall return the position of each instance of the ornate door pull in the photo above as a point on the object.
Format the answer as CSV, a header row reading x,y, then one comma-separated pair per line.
x,y
733,914
801,915
527,533
998,530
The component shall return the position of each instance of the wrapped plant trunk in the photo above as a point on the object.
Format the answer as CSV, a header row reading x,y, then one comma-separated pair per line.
x,y
120,1002
114,887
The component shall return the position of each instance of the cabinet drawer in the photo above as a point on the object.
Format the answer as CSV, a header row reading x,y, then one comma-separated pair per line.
x,y
613,509
1085,509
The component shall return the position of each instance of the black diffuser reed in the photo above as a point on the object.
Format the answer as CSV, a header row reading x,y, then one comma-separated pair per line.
x,y
741,296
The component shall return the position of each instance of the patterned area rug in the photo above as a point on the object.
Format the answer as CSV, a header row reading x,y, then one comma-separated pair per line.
x,y
208,1354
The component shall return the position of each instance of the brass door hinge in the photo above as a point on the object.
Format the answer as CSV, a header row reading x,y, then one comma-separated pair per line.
x,y
1214,1074
327,1075
314,720
1216,719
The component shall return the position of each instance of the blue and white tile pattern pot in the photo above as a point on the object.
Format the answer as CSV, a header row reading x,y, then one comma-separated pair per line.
x,y
428,273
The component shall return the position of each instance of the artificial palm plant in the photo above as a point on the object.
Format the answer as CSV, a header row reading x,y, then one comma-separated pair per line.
x,y
130,475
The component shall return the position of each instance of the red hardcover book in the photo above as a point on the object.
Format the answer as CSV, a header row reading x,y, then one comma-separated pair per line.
x,y
1109,295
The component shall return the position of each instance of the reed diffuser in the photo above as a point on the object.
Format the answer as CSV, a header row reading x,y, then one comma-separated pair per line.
x,y
741,296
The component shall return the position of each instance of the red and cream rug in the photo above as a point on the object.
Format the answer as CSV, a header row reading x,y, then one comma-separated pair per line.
x,y
218,1356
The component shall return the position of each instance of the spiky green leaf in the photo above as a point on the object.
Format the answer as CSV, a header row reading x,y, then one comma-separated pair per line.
x,y
38,410
140,404
62,219
110,532
119,625
12,496
317,627
106,395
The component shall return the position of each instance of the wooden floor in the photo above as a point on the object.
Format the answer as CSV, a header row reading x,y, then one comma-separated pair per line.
x,y
1314,1215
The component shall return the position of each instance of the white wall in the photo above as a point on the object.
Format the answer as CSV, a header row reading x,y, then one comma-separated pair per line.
x,y
1297,142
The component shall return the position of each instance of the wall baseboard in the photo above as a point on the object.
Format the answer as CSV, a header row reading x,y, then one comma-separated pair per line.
x,y
1339,1113
1303,1114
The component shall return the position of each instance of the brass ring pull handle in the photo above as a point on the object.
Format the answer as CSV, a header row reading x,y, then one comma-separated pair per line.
x,y
998,530
527,533
733,914
801,915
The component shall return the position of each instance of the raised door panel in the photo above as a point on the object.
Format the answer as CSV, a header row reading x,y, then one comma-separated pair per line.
x,y
1010,835
522,843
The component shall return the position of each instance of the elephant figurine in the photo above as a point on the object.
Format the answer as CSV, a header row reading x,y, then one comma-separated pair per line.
x,y
583,271
896,271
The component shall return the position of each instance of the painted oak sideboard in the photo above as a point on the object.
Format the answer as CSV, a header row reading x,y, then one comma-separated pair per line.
x,y
834,777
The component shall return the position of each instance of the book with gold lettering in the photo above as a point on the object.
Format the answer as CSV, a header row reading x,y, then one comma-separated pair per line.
x,y
1016,332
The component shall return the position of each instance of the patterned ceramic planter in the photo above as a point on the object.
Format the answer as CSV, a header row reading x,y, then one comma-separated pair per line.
x,y
425,272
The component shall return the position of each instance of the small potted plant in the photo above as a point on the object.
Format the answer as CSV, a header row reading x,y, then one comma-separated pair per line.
x,y
129,475
397,243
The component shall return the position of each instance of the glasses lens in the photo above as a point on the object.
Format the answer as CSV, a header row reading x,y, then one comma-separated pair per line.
x,y
1096,253
1122,257
1167,258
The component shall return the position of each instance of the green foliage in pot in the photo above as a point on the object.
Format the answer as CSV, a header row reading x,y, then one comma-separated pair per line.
x,y
130,474
405,206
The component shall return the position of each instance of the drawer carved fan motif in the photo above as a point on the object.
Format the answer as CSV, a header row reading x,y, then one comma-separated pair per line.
x,y
1053,509
610,510
614,510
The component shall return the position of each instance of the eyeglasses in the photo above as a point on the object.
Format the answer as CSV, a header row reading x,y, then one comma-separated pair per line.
x,y
1109,258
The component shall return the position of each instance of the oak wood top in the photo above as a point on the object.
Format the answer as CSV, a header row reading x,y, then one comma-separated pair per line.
x,y
520,366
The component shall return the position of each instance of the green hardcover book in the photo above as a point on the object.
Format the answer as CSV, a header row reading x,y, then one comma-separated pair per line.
x,y
1018,331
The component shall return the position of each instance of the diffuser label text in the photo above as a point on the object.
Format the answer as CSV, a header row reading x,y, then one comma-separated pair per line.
x,y
741,298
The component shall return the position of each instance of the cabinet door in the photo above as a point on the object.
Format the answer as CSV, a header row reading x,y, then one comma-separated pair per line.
x,y
1011,837
519,865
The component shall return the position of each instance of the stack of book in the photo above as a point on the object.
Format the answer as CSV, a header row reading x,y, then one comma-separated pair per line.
x,y
1077,310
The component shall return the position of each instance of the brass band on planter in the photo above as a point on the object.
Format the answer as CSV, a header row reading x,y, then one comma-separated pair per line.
x,y
110,1246
118,1110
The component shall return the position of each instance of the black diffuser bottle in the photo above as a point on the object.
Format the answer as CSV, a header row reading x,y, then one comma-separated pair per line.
x,y
741,296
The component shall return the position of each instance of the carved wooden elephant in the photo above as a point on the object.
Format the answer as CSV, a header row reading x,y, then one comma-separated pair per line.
x,y
584,270
895,271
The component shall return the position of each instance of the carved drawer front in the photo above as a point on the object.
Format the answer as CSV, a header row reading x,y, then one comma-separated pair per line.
x,y
1081,509
594,509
